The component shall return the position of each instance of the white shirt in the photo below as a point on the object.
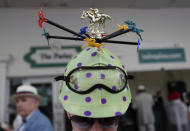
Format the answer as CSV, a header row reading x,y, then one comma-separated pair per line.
x,y
23,124
144,103
177,113
17,122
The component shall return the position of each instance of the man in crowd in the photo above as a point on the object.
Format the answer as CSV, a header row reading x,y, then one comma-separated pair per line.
x,y
27,102
143,104
177,113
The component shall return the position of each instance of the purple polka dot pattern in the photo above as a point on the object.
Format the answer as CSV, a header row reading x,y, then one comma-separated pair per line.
x,y
99,88
94,54
114,88
87,113
124,98
98,49
123,66
88,99
121,76
103,101
76,87
75,57
88,75
112,57
65,97
126,87
87,49
109,64
79,64
118,114
102,76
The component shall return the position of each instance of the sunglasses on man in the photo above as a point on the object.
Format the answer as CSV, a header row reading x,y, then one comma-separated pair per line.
x,y
86,123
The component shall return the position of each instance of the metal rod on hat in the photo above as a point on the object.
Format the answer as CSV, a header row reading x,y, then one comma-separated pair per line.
x,y
114,34
64,28
80,39
86,35
121,42
63,37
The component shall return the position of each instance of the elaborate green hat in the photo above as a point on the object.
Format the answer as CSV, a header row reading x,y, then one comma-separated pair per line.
x,y
99,102
95,81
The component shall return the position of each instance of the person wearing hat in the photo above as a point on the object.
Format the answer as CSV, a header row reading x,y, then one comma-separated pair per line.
x,y
177,113
95,90
27,102
143,104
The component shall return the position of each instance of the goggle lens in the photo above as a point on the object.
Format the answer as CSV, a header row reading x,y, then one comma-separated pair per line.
x,y
113,78
85,79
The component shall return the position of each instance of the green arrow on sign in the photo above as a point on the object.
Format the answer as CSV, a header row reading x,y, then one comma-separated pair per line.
x,y
46,57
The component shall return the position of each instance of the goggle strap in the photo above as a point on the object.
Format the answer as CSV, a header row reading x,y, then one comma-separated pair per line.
x,y
131,77
60,78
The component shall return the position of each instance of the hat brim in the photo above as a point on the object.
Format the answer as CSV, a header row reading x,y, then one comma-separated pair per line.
x,y
14,97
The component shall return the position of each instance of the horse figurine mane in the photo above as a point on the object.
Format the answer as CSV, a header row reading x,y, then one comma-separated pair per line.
x,y
96,22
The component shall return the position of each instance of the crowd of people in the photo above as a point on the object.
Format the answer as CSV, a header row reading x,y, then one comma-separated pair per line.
x,y
151,113
146,113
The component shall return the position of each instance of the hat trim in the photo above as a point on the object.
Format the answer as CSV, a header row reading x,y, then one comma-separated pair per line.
x,y
20,94
25,92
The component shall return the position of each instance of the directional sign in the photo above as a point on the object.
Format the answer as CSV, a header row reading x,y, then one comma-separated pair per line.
x,y
46,57
161,55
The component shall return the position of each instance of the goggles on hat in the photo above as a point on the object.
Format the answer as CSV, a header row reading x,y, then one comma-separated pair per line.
x,y
86,123
85,79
